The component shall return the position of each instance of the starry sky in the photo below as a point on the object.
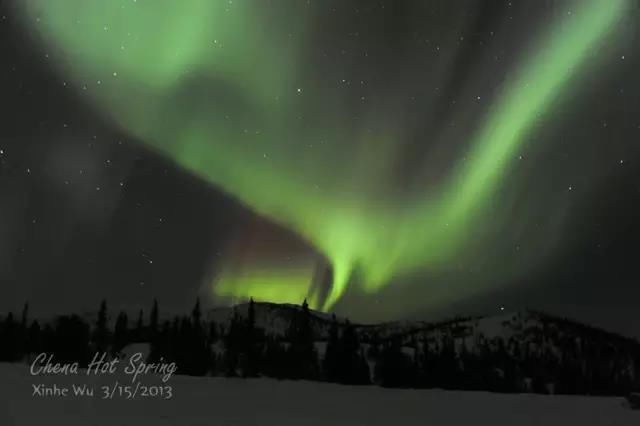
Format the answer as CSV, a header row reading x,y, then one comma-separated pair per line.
x,y
384,159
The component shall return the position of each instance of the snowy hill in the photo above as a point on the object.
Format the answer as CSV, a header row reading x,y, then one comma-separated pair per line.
x,y
525,325
272,317
524,351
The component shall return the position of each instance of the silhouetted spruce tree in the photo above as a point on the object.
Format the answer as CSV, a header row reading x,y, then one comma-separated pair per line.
x,y
251,350
48,337
464,363
154,340
352,366
101,332
213,332
71,340
275,359
182,347
25,315
421,364
174,340
153,320
330,363
448,365
374,345
212,338
198,356
232,345
395,369
23,332
164,341
196,313
140,335
302,356
34,339
121,332
9,338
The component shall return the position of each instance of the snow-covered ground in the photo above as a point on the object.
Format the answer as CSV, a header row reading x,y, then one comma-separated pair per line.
x,y
227,402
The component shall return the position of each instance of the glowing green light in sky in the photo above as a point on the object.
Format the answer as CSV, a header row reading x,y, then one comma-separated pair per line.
x,y
277,287
216,87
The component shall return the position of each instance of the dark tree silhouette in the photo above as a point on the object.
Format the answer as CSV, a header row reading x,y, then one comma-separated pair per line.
x,y
35,344
233,345
395,369
101,331
121,332
153,320
302,356
551,356
352,366
140,334
10,338
330,362
251,351
193,352
71,341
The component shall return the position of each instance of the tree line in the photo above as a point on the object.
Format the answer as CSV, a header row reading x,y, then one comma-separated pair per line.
x,y
244,349
548,363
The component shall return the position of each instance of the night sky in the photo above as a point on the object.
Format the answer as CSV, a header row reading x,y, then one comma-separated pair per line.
x,y
385,159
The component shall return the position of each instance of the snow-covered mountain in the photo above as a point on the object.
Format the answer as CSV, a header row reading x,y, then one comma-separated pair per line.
x,y
519,351
525,326
273,318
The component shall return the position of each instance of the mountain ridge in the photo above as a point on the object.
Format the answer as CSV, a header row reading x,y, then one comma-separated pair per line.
x,y
222,315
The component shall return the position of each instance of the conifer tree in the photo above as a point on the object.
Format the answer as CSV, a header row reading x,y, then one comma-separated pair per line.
x,y
34,339
120,335
140,334
331,354
101,333
153,320
353,368
8,338
196,357
196,313
252,351
22,336
233,345
25,315
302,355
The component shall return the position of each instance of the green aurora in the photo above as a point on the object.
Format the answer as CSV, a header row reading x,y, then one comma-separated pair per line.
x,y
215,85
